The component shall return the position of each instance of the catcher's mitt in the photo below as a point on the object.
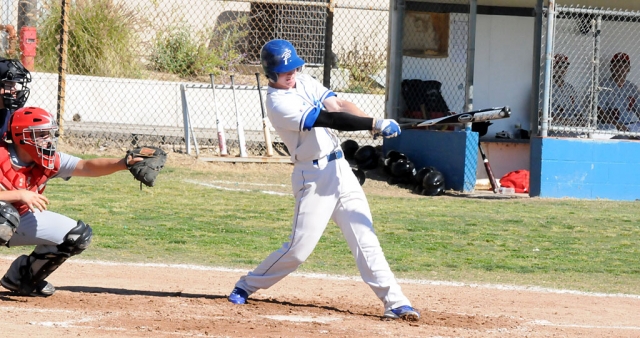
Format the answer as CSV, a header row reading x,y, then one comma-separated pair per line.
x,y
146,170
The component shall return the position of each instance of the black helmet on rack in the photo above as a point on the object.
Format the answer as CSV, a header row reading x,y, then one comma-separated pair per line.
x,y
433,183
391,157
420,174
349,147
403,169
366,157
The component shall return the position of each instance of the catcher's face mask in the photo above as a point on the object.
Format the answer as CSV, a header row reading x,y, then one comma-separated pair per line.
x,y
45,142
35,131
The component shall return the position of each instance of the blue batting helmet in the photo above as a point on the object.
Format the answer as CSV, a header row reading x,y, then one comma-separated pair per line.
x,y
279,56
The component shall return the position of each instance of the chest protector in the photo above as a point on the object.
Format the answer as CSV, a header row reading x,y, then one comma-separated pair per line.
x,y
33,177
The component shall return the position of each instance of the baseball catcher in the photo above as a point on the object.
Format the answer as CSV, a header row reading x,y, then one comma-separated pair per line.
x,y
145,170
28,160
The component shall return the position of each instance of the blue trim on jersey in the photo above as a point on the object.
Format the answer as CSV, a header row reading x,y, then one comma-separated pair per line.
x,y
311,118
328,94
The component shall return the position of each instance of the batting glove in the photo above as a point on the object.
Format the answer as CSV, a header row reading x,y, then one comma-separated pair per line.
x,y
386,128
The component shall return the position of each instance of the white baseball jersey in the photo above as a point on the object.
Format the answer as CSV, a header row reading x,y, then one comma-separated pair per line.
x,y
624,98
292,114
325,189
564,100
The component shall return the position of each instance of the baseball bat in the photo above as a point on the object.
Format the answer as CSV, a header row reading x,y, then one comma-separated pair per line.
x,y
487,114
265,128
487,167
222,142
243,146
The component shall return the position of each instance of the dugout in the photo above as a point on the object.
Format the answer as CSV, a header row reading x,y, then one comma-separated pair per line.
x,y
499,53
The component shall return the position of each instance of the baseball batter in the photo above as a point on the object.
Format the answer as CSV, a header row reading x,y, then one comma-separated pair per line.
x,y
306,115
28,160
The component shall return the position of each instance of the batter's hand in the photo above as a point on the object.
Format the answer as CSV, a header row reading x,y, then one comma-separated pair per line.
x,y
34,200
386,128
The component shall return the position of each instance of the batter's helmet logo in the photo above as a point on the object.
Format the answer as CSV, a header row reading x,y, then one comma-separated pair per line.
x,y
286,56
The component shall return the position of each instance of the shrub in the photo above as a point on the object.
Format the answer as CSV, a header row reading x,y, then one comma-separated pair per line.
x,y
363,61
178,51
102,39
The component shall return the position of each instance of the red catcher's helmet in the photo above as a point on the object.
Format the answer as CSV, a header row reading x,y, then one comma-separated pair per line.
x,y
35,130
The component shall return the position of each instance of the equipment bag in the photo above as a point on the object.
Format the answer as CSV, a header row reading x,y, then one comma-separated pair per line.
x,y
518,180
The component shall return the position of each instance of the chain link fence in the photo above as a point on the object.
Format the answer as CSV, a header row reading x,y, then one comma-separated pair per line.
x,y
593,71
434,70
120,73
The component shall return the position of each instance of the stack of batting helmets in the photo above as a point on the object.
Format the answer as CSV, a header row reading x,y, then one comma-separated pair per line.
x,y
391,157
402,171
419,177
399,167
366,157
349,148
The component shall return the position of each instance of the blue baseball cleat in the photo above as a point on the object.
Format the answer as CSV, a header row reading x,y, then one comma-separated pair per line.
x,y
238,296
405,312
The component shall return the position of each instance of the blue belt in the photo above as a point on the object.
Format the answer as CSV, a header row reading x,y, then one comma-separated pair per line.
x,y
331,157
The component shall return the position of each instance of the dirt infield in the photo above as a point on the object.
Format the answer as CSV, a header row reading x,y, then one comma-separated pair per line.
x,y
97,299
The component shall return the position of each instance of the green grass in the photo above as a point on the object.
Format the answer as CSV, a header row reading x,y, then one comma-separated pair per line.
x,y
583,245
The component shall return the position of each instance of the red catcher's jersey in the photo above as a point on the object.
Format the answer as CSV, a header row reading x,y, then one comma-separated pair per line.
x,y
32,178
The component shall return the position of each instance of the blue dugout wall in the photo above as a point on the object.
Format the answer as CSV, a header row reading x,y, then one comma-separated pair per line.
x,y
585,168
455,154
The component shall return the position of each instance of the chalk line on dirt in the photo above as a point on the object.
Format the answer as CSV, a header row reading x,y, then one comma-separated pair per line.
x,y
581,326
302,319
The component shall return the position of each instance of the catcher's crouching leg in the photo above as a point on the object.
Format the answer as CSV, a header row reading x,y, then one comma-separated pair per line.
x,y
27,274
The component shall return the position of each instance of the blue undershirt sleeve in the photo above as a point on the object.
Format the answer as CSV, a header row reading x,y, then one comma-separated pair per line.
x,y
311,118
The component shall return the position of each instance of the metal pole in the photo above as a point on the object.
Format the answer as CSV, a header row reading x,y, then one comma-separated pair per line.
x,y
595,85
547,70
537,48
62,64
6,17
27,13
328,46
394,59
471,54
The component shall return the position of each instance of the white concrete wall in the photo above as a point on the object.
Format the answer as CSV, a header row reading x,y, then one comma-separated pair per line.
x,y
158,103
503,68
503,158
